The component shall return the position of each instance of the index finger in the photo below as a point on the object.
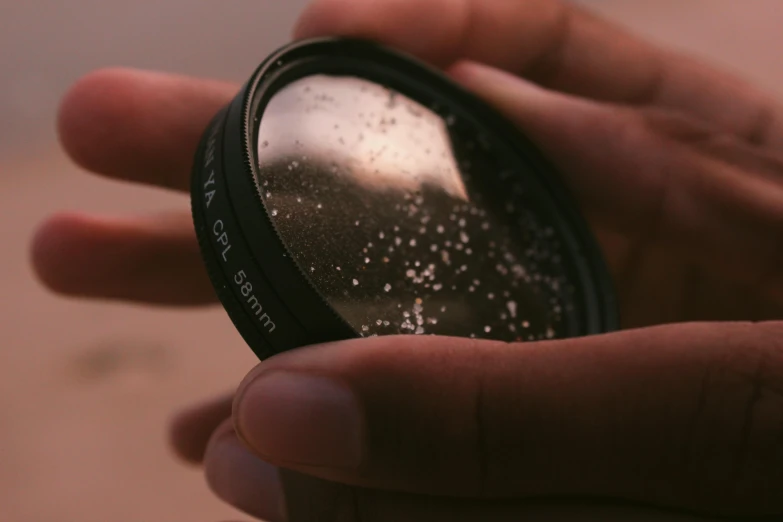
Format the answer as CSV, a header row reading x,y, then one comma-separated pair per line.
x,y
556,44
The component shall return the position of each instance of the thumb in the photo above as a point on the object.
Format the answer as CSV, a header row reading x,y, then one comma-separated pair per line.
x,y
685,416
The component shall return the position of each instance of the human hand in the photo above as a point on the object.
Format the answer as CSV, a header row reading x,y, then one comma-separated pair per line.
x,y
676,166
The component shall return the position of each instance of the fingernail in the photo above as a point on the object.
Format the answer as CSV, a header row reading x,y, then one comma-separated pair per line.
x,y
245,481
301,419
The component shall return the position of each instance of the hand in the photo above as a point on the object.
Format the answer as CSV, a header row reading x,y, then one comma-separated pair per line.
x,y
677,167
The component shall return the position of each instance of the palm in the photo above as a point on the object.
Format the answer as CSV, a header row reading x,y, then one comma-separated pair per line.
x,y
658,286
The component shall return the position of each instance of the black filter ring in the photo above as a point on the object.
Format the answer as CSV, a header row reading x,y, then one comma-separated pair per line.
x,y
270,300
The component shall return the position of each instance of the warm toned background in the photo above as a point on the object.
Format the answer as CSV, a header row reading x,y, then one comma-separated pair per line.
x,y
85,388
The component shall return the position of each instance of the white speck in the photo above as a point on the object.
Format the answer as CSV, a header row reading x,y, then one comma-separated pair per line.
x,y
298,200
413,243
357,223
366,260
464,268
485,225
419,330
398,241
387,288
472,289
464,237
319,206
477,282
437,287
355,282
379,322
490,296
433,248
550,333
274,213
338,269
312,269
365,328
462,223
512,308
443,309
406,314
441,229
381,235
411,273
525,324
487,329
268,195
386,323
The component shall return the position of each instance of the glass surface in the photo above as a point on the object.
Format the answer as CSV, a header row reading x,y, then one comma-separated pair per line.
x,y
405,220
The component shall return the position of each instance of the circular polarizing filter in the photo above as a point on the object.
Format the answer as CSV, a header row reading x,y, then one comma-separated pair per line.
x,y
351,191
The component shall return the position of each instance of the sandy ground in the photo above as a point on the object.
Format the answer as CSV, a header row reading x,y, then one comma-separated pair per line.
x,y
86,388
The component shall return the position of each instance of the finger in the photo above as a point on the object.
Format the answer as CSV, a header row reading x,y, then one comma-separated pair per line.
x,y
257,488
192,429
313,500
241,479
138,125
649,185
558,45
153,260
686,416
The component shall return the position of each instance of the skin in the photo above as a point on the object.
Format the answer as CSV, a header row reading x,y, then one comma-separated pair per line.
x,y
680,171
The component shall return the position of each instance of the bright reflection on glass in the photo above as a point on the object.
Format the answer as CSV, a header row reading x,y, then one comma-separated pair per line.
x,y
403,219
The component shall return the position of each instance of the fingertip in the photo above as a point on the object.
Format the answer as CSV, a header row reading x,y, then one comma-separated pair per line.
x,y
95,105
241,478
59,238
403,24
191,429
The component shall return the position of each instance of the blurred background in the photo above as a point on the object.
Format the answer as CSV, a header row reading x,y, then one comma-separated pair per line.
x,y
86,388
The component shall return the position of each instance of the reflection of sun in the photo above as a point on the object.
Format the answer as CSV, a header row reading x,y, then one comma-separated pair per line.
x,y
379,139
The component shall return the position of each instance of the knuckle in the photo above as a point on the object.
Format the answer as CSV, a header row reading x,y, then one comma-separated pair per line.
x,y
735,444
